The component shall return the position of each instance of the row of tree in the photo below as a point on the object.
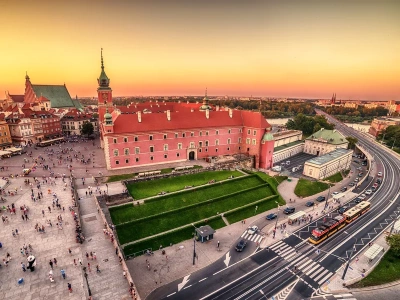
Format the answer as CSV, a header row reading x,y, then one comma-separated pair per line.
x,y
308,125
391,136
360,111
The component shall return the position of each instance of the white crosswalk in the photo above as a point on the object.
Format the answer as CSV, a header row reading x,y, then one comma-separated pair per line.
x,y
309,267
256,238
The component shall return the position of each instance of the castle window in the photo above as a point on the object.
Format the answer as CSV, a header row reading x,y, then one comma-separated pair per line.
x,y
177,155
199,150
229,141
126,151
165,136
151,158
165,147
176,135
200,144
117,162
229,131
150,137
248,141
137,150
192,134
206,143
254,132
183,134
240,140
206,132
216,132
151,148
116,152
136,138
137,159
115,140
228,148
254,142
127,161
248,131
179,146
192,145
216,150
216,142
165,156
200,133
125,139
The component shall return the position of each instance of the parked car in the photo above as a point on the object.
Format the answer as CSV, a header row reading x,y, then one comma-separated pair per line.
x,y
379,181
352,184
368,192
320,198
241,245
343,209
335,193
271,216
343,189
289,210
362,196
309,204
359,168
360,174
380,174
357,179
252,230
358,200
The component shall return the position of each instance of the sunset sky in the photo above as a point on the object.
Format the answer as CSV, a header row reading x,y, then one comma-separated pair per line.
x,y
179,47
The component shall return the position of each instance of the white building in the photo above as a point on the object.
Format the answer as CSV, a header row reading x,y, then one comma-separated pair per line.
x,y
324,141
329,164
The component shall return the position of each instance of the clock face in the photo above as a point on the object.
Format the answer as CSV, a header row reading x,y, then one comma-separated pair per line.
x,y
105,97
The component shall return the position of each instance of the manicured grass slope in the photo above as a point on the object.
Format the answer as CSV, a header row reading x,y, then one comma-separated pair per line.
x,y
388,270
305,188
126,213
335,178
140,229
145,189
174,237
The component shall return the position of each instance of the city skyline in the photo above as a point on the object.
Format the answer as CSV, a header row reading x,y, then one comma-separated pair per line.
x,y
261,48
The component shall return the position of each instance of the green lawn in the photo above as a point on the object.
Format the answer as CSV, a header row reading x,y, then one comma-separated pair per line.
x,y
173,238
121,177
305,188
249,211
159,223
126,213
144,189
388,270
335,177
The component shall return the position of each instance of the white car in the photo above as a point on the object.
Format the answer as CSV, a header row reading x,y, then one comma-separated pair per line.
x,y
362,196
368,192
380,174
252,230
335,193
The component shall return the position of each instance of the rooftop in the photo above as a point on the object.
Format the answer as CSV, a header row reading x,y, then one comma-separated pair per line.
x,y
285,133
279,148
333,137
323,159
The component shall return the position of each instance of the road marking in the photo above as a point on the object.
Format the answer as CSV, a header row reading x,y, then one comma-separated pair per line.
x,y
312,269
171,294
323,280
321,275
187,287
309,266
344,295
203,279
184,281
227,259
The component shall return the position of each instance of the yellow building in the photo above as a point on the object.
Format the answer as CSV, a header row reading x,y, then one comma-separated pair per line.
x,y
5,136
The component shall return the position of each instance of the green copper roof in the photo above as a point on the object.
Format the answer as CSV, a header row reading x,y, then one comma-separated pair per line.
x,y
107,115
77,104
279,148
323,159
268,137
333,137
57,94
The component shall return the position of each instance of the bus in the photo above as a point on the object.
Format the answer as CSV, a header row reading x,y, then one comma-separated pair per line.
x,y
356,211
328,227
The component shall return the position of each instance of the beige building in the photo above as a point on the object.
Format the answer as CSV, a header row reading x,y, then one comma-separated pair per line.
x,y
324,141
286,137
5,136
329,164
287,144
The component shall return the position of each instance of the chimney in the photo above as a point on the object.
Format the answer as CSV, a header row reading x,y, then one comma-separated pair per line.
x,y
168,115
187,102
207,114
192,110
230,113
139,116
217,108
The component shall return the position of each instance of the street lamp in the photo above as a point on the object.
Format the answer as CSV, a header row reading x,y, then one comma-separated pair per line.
x,y
194,244
394,222
276,222
351,254
393,143
87,282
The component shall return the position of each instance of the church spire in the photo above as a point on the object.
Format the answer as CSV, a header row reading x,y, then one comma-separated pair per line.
x,y
102,64
103,80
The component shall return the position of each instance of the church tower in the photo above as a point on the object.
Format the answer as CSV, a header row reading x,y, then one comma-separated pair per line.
x,y
104,91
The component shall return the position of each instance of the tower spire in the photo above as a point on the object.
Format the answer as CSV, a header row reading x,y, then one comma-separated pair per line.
x,y
102,64
206,92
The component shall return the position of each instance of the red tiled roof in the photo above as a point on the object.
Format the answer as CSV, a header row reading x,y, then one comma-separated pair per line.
x,y
254,119
179,120
17,98
2,117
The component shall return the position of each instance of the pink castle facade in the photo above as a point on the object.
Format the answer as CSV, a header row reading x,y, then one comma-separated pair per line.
x,y
149,134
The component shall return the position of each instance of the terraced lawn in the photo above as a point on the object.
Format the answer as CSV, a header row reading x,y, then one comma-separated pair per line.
x,y
145,189
126,213
143,228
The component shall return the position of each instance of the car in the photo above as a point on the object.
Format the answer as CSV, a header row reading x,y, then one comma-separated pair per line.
x,y
289,210
362,196
352,184
360,174
380,174
343,209
335,193
364,163
309,204
320,198
358,200
379,181
241,245
271,216
252,230
356,180
343,189
368,192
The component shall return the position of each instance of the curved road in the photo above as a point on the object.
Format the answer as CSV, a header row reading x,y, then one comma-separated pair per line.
x,y
293,268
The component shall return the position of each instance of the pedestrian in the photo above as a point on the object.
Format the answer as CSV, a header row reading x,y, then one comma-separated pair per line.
x,y
69,251
116,251
69,287
87,255
23,267
13,233
55,261
218,244
94,255
23,218
98,269
63,273
124,273
51,264
91,255
74,261
88,265
80,261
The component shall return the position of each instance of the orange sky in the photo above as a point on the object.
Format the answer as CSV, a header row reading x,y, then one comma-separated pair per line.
x,y
179,47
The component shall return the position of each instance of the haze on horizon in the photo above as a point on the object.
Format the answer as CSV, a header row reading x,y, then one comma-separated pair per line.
x,y
305,49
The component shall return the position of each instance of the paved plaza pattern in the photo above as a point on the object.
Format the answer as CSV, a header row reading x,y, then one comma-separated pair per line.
x,y
58,237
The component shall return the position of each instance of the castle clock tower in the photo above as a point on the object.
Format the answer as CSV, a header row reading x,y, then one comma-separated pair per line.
x,y
104,91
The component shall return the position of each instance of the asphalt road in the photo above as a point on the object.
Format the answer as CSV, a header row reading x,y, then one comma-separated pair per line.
x,y
293,268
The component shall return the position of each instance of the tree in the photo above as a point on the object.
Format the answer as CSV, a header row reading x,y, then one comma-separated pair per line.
x,y
352,142
87,128
394,241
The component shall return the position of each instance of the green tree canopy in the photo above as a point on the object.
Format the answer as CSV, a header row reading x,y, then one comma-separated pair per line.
x,y
394,241
309,125
352,142
87,128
